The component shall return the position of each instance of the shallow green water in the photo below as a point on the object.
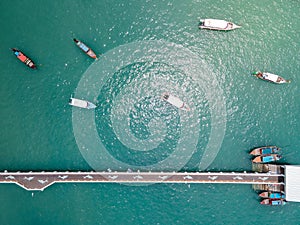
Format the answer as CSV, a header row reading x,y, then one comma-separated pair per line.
x,y
148,47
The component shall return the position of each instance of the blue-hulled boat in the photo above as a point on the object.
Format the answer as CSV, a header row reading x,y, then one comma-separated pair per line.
x,y
272,195
85,48
269,201
267,158
265,150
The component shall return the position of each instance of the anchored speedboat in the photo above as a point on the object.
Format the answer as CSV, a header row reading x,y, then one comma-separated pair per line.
x,y
214,24
85,48
23,58
175,101
81,103
271,77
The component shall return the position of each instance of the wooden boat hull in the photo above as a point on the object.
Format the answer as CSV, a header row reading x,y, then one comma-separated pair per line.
x,y
87,50
23,58
273,78
272,195
214,24
265,150
264,194
273,202
266,158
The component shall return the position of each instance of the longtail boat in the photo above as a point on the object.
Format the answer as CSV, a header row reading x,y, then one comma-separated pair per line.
x,y
272,195
268,201
85,48
23,58
267,158
265,150
273,78
214,24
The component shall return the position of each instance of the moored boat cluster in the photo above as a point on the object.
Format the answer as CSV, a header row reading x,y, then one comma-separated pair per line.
x,y
266,154
272,198
263,155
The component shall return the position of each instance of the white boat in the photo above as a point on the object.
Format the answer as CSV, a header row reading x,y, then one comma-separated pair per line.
x,y
81,103
214,24
271,77
175,101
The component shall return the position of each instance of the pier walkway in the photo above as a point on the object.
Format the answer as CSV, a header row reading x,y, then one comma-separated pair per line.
x,y
40,180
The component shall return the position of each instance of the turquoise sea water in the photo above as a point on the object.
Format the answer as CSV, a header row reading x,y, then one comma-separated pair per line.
x,y
147,47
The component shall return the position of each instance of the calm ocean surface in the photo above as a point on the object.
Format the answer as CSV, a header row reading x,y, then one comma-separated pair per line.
x,y
148,47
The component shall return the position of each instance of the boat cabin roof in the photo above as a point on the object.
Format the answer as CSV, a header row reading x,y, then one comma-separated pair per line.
x,y
215,23
82,46
267,158
175,101
270,76
78,102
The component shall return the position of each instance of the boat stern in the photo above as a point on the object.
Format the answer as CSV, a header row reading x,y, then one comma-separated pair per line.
x,y
71,101
33,67
201,24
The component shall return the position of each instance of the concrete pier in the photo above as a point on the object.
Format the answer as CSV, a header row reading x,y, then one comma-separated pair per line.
x,y
41,180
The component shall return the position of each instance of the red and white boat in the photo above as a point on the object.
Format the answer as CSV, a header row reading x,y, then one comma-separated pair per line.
x,y
23,58
269,201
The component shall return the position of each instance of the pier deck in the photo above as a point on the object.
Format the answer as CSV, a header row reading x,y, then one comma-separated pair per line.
x,y
41,180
